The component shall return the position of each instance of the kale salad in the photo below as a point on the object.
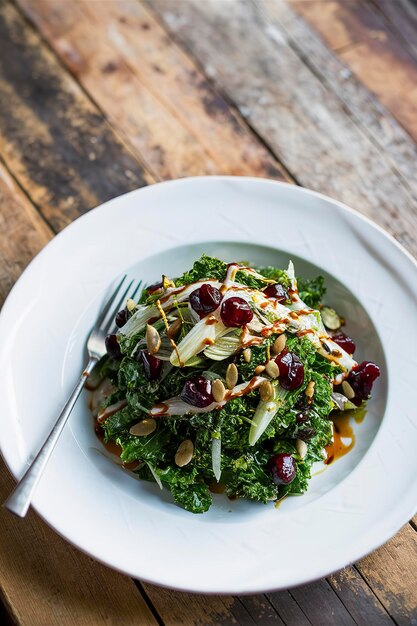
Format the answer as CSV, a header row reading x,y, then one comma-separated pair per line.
x,y
226,379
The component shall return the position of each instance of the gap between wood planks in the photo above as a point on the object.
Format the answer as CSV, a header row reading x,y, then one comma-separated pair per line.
x,y
151,176
382,129
401,18
109,61
378,54
52,138
302,120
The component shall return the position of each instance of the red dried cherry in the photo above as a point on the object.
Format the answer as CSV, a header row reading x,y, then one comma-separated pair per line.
x,y
197,392
283,468
345,342
235,312
361,380
121,318
151,365
291,370
112,347
276,291
205,299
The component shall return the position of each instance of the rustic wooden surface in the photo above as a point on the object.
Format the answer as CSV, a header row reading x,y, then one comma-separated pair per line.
x,y
98,97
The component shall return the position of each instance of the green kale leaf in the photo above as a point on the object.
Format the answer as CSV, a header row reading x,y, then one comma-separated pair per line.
x,y
247,477
311,291
154,448
119,422
274,273
205,267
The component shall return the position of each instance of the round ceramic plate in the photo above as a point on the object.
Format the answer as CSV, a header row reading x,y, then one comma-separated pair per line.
x,y
352,507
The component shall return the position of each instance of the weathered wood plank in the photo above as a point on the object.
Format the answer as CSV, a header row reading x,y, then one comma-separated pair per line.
x,y
44,580
54,140
261,610
302,120
176,607
24,233
346,600
150,90
288,609
402,16
322,606
378,57
357,597
390,571
374,120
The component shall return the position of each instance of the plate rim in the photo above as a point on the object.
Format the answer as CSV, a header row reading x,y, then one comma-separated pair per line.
x,y
90,215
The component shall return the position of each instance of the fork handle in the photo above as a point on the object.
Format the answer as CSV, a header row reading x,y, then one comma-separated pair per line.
x,y
19,500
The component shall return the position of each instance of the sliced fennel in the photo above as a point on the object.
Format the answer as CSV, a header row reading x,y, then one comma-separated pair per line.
x,y
204,333
265,413
139,320
194,361
290,271
216,456
223,347
155,475
169,299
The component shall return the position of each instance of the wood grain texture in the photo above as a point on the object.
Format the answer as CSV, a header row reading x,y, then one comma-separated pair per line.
x,y
301,119
322,606
288,609
176,607
150,90
358,598
373,119
402,17
375,53
390,571
344,599
54,140
26,232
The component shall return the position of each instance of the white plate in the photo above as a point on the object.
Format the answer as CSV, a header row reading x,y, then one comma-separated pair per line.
x,y
354,506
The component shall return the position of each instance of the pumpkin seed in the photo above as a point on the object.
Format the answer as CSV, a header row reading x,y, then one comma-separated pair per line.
x,y
347,390
259,369
167,283
310,389
272,369
302,448
231,375
330,318
130,305
267,391
174,330
218,390
184,453
143,428
153,339
247,354
279,344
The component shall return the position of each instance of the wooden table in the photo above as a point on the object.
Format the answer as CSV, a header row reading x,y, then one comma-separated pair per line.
x,y
99,97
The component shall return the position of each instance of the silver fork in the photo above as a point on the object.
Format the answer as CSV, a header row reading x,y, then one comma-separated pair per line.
x,y
19,500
